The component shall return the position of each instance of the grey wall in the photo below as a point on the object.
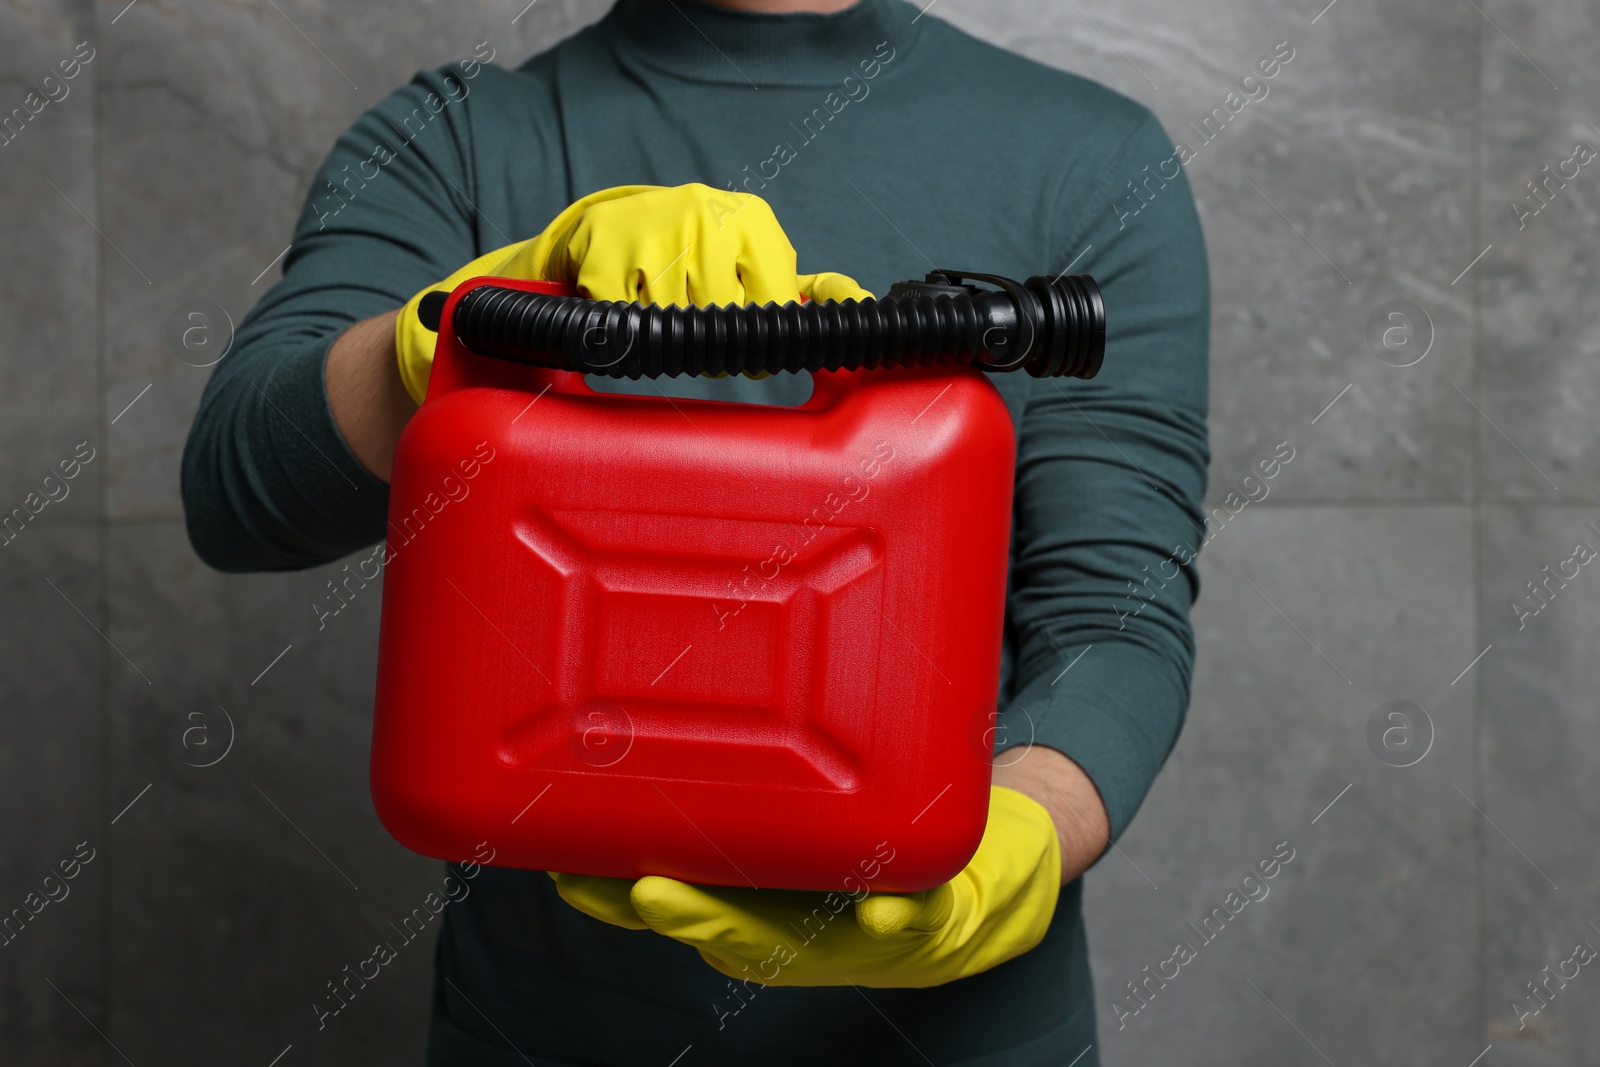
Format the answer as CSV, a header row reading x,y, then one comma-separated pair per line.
x,y
1383,161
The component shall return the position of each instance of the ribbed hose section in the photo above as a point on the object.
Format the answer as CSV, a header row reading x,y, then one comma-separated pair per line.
x,y
1050,327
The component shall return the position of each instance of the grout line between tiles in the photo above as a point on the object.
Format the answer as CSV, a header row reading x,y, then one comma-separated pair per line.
x,y
89,13
1475,359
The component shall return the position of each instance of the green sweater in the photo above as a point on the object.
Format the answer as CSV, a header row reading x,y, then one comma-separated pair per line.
x,y
887,142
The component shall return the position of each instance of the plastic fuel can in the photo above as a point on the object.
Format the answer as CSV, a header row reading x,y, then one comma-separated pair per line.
x,y
730,643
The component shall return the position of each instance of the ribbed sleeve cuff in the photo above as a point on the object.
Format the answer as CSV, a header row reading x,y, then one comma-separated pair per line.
x,y
268,481
1116,713
340,497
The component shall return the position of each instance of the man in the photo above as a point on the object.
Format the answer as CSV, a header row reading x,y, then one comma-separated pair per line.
x,y
887,143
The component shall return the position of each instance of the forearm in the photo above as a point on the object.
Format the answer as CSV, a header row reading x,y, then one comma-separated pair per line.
x,y
1065,791
370,403
289,456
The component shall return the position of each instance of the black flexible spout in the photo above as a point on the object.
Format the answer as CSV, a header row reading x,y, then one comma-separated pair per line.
x,y
1050,327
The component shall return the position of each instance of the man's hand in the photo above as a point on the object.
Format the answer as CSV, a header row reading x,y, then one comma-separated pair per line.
x,y
997,908
687,245
617,244
690,245
523,260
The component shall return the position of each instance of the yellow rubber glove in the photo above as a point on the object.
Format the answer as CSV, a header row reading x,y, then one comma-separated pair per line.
x,y
524,260
691,244
830,286
997,908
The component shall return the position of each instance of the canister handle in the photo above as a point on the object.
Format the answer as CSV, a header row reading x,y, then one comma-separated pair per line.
x,y
1049,327
457,367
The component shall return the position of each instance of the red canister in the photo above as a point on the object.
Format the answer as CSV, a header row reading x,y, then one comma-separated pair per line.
x,y
734,644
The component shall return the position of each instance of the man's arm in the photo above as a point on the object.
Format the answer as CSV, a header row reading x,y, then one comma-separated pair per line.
x,y
1110,476
1066,792
369,402
287,458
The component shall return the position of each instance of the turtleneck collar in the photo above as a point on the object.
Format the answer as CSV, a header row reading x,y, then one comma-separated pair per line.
x,y
702,42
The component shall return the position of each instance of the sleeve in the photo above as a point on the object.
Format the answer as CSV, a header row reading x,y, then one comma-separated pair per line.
x,y
268,482
1111,474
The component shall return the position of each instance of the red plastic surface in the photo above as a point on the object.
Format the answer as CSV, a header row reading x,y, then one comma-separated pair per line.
x,y
734,644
